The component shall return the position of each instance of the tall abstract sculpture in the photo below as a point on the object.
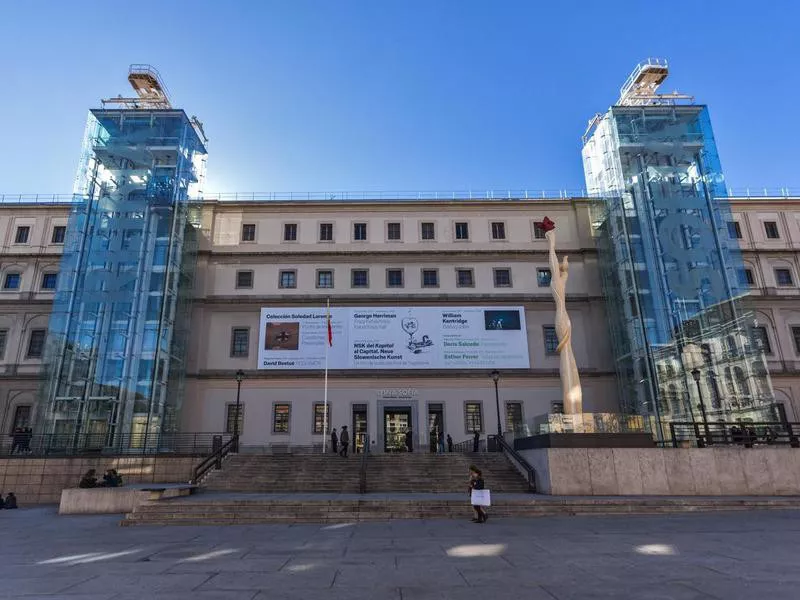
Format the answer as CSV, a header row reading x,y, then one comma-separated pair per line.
x,y
570,380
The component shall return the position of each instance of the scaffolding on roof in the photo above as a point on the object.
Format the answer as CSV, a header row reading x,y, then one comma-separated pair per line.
x,y
150,89
641,86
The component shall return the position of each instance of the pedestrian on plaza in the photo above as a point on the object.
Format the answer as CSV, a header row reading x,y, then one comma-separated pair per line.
x,y
16,440
11,501
441,441
409,440
26,440
334,441
476,482
449,443
476,441
344,442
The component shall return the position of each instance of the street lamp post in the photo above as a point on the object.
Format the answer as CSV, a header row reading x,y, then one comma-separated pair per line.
x,y
239,378
696,376
495,375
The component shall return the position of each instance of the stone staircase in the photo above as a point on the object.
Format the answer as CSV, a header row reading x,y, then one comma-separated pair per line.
x,y
252,509
406,472
441,473
279,473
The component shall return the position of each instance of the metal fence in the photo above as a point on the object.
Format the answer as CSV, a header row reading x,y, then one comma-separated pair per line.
x,y
771,433
22,444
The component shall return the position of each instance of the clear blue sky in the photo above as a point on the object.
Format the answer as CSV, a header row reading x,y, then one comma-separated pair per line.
x,y
301,95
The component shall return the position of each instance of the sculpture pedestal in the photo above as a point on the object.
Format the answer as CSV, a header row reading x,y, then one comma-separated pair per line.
x,y
587,430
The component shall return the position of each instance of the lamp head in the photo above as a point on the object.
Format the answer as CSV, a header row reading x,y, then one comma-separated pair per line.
x,y
495,375
239,376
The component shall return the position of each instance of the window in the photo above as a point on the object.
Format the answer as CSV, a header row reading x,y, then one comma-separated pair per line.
x,y
360,232
49,281
12,281
464,278
771,229
23,232
550,340
22,417
3,342
783,277
430,278
498,230
473,417
394,277
59,233
502,278
288,279
359,278
428,231
734,230
280,418
746,277
538,231
234,422
240,342
248,232
513,416
36,343
290,232
795,336
762,339
325,279
319,417
393,232
462,231
326,232
244,279
543,277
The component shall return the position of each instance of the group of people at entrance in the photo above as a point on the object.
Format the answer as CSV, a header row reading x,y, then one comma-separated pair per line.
x,y
437,441
340,444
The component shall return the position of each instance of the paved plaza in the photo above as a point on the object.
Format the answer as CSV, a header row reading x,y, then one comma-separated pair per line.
x,y
677,557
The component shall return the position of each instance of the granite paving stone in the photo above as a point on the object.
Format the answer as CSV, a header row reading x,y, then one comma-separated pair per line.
x,y
702,556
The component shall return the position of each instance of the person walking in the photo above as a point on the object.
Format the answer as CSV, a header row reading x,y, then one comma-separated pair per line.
x,y
476,441
441,441
449,443
476,482
344,442
409,440
334,441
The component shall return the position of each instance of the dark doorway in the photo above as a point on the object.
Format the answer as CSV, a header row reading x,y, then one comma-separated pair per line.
x,y
396,422
359,436
435,425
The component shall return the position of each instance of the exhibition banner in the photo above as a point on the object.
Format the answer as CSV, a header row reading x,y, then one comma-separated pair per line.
x,y
409,337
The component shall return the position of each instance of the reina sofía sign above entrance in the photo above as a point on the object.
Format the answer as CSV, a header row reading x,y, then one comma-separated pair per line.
x,y
407,337
404,393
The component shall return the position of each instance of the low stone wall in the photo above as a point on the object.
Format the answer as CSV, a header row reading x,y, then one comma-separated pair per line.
x,y
41,480
99,501
720,471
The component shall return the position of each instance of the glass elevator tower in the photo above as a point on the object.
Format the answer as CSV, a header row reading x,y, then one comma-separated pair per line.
x,y
116,343
683,341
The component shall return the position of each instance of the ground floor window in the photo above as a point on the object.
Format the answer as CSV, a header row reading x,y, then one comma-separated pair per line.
x,y
473,413
319,417
280,418
513,416
234,422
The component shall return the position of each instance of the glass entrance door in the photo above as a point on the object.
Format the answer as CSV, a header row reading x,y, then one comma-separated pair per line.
x,y
395,424
359,427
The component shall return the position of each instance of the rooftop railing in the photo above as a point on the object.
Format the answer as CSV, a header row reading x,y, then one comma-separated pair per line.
x,y
423,196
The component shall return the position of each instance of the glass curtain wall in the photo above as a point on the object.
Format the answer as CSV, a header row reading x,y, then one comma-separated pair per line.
x,y
116,345
669,274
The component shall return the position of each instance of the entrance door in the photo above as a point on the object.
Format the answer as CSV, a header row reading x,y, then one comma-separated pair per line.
x,y
359,436
396,422
435,425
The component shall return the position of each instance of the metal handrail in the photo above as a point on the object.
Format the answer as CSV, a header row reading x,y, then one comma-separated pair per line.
x,y
747,434
214,461
469,446
516,457
25,444
362,475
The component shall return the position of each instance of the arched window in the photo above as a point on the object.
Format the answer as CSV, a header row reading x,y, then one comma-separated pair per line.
x,y
674,401
762,378
670,370
731,389
711,380
730,343
741,381
663,403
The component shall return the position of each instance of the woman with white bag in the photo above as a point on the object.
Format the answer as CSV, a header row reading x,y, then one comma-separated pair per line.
x,y
479,495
